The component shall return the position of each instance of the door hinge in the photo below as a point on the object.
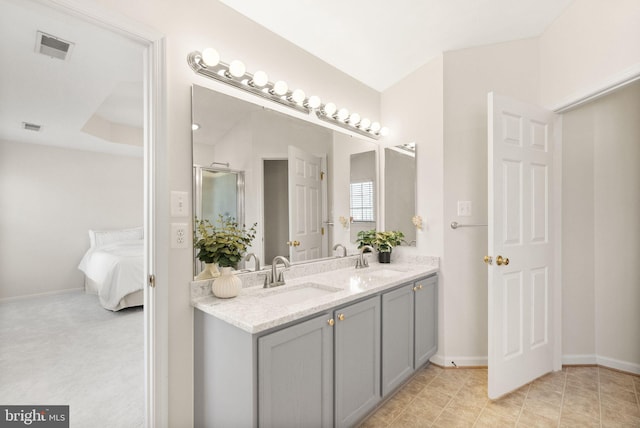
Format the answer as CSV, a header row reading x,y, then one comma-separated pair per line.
x,y
321,175
322,230
152,281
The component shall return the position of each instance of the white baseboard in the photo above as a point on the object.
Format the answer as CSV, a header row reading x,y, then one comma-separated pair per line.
x,y
48,293
580,359
625,366
448,361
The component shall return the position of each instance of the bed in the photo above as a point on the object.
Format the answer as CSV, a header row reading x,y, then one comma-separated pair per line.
x,y
114,267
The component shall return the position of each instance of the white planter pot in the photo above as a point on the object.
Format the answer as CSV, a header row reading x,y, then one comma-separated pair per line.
x,y
227,285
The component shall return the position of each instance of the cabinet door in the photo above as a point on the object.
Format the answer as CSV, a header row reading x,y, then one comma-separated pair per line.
x,y
357,361
397,337
295,376
426,320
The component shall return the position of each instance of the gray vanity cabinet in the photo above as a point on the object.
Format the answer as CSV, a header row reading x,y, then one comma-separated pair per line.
x,y
409,330
426,320
397,337
295,376
357,361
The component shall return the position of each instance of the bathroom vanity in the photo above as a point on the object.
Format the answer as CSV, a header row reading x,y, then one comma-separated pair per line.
x,y
322,350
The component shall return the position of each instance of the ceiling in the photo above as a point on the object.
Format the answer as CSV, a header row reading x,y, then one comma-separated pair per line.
x,y
92,101
379,42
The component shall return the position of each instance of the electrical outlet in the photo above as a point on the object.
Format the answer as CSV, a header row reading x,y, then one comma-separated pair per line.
x,y
179,235
179,205
464,208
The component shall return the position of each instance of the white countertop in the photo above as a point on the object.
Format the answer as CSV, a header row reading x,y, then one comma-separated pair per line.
x,y
254,311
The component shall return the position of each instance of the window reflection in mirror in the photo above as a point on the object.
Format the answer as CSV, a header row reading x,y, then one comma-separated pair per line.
x,y
261,143
362,192
400,190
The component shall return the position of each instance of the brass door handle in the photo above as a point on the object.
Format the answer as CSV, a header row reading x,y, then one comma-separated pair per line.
x,y
331,322
502,261
341,317
488,260
417,287
293,243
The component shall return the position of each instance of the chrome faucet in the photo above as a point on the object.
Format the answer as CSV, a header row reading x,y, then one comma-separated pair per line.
x,y
278,279
344,249
362,261
256,265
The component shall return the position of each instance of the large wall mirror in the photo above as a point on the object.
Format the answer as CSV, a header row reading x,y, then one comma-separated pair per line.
x,y
295,175
400,190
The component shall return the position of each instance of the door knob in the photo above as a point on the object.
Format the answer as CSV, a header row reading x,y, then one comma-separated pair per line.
x,y
341,317
488,260
331,322
293,243
502,261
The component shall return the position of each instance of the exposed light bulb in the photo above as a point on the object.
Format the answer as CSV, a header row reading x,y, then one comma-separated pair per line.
x,y
237,68
195,126
365,124
280,87
329,109
375,127
260,79
384,131
298,96
313,102
354,119
343,114
210,57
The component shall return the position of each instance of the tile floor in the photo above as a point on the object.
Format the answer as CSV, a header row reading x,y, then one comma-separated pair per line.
x,y
573,397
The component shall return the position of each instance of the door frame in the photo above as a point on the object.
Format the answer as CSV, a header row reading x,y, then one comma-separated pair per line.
x,y
156,296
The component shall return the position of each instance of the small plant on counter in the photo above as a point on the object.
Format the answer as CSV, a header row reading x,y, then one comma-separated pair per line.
x,y
385,241
224,243
366,237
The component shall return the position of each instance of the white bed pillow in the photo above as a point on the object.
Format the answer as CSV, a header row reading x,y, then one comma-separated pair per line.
x,y
99,238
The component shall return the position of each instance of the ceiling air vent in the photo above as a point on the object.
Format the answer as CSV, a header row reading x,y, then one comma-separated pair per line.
x,y
31,126
53,47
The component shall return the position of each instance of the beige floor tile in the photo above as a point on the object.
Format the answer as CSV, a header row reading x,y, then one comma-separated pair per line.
x,y
579,403
447,386
620,406
530,419
505,408
542,408
464,408
544,393
583,382
623,380
621,394
390,410
417,416
613,418
569,419
447,419
582,370
490,419
473,395
374,422
433,395
414,386
572,391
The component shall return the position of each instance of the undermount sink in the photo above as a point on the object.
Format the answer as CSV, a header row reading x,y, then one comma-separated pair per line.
x,y
297,293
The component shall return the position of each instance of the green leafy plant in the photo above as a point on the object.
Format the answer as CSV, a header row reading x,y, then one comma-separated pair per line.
x,y
366,237
224,243
385,241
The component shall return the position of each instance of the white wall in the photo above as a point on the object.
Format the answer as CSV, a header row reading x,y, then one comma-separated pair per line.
x,y
592,44
50,198
602,148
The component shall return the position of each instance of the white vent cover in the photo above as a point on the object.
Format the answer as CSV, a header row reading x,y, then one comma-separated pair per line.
x,y
31,126
53,46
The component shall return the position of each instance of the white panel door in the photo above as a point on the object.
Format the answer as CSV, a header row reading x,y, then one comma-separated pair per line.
x,y
523,243
305,205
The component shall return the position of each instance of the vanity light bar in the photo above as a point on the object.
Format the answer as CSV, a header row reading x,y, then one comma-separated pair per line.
x,y
207,63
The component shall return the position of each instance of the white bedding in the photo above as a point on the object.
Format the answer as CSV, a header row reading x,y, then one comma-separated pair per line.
x,y
117,268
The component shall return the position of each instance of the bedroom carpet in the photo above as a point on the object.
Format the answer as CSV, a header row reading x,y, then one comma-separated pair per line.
x,y
66,349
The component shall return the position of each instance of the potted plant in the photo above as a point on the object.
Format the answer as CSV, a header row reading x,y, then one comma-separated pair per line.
x,y
366,237
384,243
223,244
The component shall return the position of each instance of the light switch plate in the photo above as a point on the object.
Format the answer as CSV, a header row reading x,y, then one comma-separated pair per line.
x,y
464,208
179,204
